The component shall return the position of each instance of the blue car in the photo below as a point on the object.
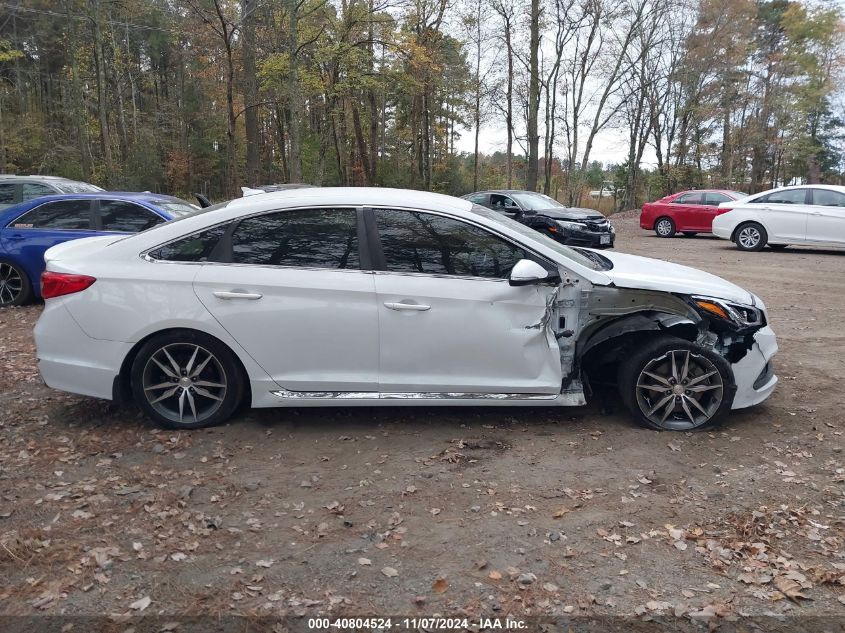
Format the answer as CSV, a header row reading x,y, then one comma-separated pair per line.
x,y
28,229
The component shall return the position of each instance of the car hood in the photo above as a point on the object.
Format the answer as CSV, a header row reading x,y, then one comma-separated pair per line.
x,y
631,271
571,213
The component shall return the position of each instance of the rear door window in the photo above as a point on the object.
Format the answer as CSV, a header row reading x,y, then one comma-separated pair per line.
x,y
196,247
31,190
126,217
61,215
790,196
302,238
694,197
7,193
715,199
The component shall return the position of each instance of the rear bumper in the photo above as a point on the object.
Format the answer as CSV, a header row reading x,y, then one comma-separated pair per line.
x,y
755,379
721,230
70,360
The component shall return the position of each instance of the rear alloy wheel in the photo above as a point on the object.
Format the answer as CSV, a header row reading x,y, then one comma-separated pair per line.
x,y
15,288
664,227
675,385
751,237
186,380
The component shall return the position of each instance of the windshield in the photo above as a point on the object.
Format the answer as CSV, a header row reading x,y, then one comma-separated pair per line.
x,y
584,258
535,201
77,187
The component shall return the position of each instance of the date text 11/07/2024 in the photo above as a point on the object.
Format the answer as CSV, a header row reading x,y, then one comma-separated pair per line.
x,y
414,624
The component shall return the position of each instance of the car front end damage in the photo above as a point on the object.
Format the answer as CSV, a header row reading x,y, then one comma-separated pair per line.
x,y
589,232
614,322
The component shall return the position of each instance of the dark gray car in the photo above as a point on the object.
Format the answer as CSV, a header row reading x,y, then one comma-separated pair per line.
x,y
569,225
15,189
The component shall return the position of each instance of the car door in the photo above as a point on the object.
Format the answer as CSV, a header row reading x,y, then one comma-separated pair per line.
x,y
27,237
690,212
291,289
449,321
784,214
826,220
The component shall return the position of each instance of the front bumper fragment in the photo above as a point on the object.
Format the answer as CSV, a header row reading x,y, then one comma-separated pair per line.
x,y
754,376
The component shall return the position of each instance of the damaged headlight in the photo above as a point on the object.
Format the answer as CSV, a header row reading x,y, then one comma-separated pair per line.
x,y
739,314
573,226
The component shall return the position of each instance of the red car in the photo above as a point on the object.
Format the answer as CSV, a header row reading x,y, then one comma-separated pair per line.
x,y
689,212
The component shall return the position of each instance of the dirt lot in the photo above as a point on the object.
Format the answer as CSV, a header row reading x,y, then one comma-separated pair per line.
x,y
450,511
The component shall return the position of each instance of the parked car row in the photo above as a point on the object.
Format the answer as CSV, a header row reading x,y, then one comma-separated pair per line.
x,y
38,222
804,214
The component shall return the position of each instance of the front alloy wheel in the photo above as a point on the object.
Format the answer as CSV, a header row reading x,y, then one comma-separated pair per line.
x,y
676,385
186,380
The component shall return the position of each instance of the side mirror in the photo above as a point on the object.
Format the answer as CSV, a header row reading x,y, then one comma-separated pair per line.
x,y
527,272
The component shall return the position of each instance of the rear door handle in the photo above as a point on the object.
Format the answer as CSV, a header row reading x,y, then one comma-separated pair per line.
x,y
16,237
416,307
237,294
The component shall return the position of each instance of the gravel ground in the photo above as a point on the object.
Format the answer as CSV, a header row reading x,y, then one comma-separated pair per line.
x,y
452,511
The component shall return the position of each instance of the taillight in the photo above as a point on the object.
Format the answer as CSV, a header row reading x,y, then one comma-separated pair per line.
x,y
59,284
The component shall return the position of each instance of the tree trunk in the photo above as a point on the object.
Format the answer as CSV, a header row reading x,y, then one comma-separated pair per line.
x,y
294,95
102,103
533,98
250,93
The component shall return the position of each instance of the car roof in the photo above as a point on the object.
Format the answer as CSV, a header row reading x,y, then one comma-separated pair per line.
x,y
36,177
143,196
350,196
505,191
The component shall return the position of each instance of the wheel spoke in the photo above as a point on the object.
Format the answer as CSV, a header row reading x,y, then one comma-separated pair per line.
x,y
167,371
208,383
696,404
686,409
175,365
182,403
165,395
674,366
201,366
191,402
660,388
698,379
660,404
669,408
659,379
702,388
191,361
206,393
161,385
685,370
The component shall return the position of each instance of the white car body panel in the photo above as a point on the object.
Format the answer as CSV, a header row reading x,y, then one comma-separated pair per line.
x,y
632,271
786,223
318,337
312,330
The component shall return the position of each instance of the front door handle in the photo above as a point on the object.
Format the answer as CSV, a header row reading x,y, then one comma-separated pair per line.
x,y
416,307
237,294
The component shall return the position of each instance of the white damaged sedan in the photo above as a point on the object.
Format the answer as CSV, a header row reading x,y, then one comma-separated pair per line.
x,y
363,296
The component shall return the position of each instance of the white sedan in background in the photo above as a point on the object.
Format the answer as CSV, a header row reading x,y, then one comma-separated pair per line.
x,y
333,296
806,214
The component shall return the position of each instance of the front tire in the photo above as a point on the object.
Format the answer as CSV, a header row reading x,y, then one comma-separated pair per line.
x,y
664,227
751,236
671,384
15,287
184,379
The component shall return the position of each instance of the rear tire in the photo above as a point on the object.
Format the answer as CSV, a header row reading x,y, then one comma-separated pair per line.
x,y
751,236
15,286
671,384
664,227
185,379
